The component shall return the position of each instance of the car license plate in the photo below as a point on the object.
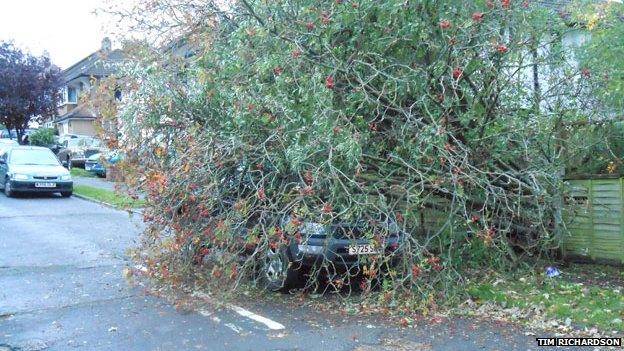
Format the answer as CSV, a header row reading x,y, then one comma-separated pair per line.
x,y
45,185
363,250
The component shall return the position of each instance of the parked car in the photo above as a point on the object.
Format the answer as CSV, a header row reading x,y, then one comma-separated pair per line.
x,y
75,151
4,134
342,246
6,144
57,145
95,164
33,169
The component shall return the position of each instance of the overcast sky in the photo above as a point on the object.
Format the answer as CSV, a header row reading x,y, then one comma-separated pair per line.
x,y
67,29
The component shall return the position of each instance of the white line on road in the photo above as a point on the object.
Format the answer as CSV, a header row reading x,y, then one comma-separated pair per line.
x,y
236,329
271,324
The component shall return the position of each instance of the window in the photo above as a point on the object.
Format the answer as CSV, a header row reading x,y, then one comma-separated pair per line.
x,y
33,157
72,95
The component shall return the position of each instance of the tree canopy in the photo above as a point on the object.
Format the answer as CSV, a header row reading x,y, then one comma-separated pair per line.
x,y
445,118
29,88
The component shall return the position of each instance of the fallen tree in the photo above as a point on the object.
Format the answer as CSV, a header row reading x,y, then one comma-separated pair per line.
x,y
439,120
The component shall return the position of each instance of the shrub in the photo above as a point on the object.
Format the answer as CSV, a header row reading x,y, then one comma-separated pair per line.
x,y
42,137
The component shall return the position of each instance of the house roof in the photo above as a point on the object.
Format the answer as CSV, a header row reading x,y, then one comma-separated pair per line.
x,y
98,64
79,112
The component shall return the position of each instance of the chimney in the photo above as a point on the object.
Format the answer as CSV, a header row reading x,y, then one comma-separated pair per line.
x,y
106,45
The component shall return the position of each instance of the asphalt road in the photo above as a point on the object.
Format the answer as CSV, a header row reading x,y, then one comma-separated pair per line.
x,y
61,288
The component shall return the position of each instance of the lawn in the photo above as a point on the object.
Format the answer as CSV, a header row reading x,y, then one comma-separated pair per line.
x,y
567,298
79,172
109,197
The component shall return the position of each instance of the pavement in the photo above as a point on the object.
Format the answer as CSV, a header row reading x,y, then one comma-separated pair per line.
x,y
61,288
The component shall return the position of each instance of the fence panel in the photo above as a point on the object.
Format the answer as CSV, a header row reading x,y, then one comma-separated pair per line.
x,y
595,211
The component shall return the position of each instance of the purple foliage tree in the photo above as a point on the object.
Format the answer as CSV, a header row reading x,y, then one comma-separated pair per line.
x,y
29,88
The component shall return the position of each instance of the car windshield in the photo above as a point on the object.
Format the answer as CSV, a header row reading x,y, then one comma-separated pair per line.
x,y
40,157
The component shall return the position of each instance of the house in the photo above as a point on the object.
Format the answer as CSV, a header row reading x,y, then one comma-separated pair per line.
x,y
75,115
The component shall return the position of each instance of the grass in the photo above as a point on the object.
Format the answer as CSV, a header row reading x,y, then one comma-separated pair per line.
x,y
109,197
79,172
583,304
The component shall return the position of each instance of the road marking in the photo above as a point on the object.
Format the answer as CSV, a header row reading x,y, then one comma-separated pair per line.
x,y
206,314
236,329
273,325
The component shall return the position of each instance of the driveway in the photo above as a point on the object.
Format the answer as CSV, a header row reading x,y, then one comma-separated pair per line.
x,y
61,289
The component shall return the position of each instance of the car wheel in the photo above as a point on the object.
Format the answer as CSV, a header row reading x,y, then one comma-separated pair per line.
x,y
66,193
7,188
279,272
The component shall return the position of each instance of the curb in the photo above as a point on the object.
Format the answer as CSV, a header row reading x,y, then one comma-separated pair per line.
x,y
90,199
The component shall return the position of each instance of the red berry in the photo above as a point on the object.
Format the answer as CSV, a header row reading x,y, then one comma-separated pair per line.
x,y
501,49
278,70
457,72
505,3
325,18
310,26
217,273
296,222
477,16
307,191
308,177
586,72
415,271
445,24
296,54
399,217
261,195
329,82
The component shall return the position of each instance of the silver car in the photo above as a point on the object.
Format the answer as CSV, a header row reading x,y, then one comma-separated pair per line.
x,y
33,169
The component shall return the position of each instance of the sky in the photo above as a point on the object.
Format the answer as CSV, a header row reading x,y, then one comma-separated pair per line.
x,y
67,29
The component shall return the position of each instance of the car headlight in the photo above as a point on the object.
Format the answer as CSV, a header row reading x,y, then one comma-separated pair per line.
x,y
66,177
17,176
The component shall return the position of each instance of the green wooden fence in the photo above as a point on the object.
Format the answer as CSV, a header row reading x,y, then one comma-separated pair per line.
x,y
595,213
